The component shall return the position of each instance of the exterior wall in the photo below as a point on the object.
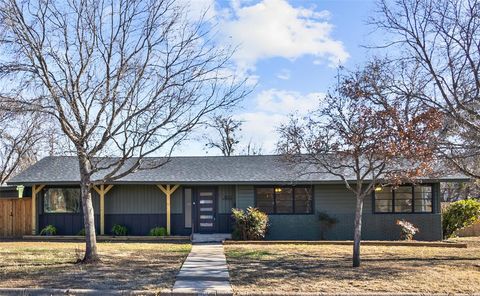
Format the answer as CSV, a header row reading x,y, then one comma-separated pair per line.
x,y
65,223
338,202
142,207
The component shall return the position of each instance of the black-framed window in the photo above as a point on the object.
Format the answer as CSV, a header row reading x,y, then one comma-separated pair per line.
x,y
404,199
61,200
284,199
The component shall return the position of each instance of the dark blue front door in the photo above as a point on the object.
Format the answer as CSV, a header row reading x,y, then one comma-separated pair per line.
x,y
206,210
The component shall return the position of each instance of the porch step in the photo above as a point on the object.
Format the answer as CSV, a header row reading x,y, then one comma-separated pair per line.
x,y
210,238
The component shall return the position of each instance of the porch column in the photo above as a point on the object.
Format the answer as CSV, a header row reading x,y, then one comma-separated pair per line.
x,y
35,190
101,193
168,190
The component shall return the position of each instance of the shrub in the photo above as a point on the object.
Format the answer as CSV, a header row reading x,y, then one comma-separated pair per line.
x,y
326,223
81,232
458,215
158,231
408,230
48,230
251,224
119,230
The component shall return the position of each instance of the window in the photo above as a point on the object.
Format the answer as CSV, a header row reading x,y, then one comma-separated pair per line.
x,y
61,200
384,200
423,198
284,200
404,199
265,201
303,200
188,207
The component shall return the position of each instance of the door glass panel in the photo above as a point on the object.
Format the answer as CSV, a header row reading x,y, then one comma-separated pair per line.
x,y
206,209
206,217
206,224
206,193
206,201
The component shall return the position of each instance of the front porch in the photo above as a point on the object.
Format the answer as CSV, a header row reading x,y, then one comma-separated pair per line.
x,y
181,210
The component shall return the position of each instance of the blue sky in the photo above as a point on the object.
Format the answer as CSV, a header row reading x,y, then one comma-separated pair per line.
x,y
290,50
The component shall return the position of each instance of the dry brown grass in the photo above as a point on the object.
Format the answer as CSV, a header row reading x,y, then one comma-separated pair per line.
x,y
124,266
327,268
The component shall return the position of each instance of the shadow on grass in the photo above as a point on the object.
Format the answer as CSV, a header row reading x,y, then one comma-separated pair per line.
x,y
148,270
300,268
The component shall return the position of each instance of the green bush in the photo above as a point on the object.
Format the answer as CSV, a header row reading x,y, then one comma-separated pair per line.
x,y
119,230
458,215
48,230
251,224
81,232
158,231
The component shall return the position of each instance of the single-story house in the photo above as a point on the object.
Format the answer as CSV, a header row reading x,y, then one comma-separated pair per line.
x,y
196,194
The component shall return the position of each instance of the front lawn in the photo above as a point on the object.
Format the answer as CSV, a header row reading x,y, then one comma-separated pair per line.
x,y
124,266
327,268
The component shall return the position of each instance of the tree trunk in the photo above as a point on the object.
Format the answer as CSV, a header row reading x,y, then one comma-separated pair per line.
x,y
91,254
357,236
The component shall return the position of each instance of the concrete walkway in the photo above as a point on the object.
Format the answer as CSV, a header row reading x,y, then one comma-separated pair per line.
x,y
204,271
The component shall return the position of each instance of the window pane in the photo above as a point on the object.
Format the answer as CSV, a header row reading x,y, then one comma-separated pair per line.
x,y
265,200
284,199
303,200
423,198
62,200
384,200
403,199
188,208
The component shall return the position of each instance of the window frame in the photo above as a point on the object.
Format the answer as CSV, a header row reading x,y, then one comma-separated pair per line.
x,y
412,186
44,192
312,203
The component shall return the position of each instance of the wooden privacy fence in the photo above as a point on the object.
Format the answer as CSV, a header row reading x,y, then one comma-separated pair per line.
x,y
15,217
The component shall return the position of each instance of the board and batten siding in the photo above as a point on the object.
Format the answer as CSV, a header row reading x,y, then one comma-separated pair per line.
x,y
141,208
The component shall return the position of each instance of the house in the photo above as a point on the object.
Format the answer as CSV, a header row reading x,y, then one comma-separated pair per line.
x,y
196,194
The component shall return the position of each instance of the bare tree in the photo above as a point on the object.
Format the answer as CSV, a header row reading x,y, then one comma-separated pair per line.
x,y
225,136
252,149
129,78
451,192
20,137
443,37
367,133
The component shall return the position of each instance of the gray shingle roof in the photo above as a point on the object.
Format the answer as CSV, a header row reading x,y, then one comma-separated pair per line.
x,y
188,170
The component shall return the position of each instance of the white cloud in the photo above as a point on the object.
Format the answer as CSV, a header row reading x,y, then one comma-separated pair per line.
x,y
272,108
200,8
285,102
274,28
284,74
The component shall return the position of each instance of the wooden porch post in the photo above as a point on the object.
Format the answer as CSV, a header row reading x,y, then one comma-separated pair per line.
x,y
168,190
35,190
101,193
